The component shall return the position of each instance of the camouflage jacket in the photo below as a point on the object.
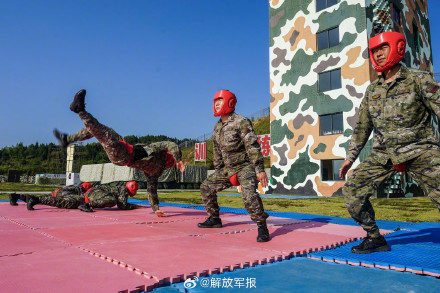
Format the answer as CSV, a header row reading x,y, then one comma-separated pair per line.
x,y
400,114
101,196
154,164
235,145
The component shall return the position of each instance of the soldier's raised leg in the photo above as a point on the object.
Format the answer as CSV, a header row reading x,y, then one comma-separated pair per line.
x,y
357,191
252,201
215,182
107,137
65,139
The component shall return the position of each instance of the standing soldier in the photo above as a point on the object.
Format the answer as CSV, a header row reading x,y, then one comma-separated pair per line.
x,y
398,107
95,197
237,161
152,159
69,197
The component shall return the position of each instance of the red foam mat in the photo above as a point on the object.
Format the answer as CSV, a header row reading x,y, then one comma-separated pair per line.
x,y
67,270
113,250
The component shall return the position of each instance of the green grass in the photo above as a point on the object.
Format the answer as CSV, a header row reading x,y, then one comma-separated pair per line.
x,y
417,209
11,186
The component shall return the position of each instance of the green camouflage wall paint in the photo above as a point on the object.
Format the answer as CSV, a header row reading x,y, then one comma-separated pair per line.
x,y
297,146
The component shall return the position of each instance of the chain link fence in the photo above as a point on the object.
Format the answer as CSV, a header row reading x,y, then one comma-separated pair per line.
x,y
259,114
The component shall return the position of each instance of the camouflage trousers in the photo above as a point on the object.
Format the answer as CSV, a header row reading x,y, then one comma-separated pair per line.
x,y
366,178
248,181
107,137
81,135
64,202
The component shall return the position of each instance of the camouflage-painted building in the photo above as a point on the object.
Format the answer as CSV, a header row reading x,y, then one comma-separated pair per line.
x,y
319,71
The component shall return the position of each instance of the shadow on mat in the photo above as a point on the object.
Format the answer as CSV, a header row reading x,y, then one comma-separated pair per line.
x,y
286,229
430,235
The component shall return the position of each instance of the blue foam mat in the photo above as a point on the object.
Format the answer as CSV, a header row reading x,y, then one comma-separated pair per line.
x,y
416,249
306,275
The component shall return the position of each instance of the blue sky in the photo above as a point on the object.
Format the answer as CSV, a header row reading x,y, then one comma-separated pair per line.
x,y
149,67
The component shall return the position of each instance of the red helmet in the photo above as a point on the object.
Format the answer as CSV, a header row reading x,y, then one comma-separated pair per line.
x,y
86,185
170,160
397,44
132,187
229,102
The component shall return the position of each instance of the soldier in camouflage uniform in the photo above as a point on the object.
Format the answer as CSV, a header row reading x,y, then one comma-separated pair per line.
x,y
60,193
237,161
398,107
75,197
109,196
69,197
152,159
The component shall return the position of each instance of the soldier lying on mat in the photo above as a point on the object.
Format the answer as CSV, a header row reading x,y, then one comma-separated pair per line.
x,y
78,197
65,197
151,159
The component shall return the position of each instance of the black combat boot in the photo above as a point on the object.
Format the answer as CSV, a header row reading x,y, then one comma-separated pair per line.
x,y
211,223
13,197
85,207
370,245
61,137
263,232
31,201
78,104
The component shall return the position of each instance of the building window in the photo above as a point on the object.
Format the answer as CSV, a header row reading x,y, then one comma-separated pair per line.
x,y
323,4
397,16
416,38
328,38
331,124
330,170
329,80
